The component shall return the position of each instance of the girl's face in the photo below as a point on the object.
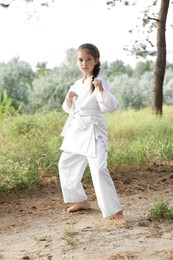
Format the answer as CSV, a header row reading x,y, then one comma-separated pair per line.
x,y
86,63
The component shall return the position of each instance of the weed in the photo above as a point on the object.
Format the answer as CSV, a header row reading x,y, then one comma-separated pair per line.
x,y
43,238
161,211
68,237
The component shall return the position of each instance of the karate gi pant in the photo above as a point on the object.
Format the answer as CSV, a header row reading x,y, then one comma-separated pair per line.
x,y
71,170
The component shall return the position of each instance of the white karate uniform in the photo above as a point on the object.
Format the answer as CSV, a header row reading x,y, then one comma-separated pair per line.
x,y
86,142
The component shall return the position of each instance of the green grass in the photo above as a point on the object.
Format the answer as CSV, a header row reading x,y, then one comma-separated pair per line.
x,y
161,211
29,149
138,138
29,145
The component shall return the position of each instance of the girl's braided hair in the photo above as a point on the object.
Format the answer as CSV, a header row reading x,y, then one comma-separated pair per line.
x,y
93,50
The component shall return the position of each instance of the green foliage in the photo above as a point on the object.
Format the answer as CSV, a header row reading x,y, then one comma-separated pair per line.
x,y
142,67
45,89
136,92
50,88
168,87
24,125
16,78
5,105
133,87
29,149
41,69
115,68
161,211
131,92
139,137
29,145
17,175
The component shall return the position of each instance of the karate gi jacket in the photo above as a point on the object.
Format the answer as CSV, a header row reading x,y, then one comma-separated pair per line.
x,y
86,119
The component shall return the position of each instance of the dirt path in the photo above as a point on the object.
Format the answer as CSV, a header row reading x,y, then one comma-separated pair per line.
x,y
36,226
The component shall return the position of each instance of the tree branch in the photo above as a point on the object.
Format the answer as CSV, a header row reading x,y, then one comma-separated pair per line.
x,y
152,18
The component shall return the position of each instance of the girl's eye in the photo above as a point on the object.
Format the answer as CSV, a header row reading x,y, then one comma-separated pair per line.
x,y
82,60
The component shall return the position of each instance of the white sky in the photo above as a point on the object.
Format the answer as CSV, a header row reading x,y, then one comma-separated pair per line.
x,y
40,34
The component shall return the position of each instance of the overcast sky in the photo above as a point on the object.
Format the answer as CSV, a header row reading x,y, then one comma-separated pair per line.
x,y
43,34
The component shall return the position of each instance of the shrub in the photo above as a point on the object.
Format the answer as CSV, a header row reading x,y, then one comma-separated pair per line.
x,y
161,211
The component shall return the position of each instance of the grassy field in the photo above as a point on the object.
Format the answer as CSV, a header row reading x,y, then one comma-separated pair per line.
x,y
29,145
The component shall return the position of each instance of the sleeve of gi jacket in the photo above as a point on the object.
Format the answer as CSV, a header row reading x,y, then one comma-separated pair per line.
x,y
107,101
64,105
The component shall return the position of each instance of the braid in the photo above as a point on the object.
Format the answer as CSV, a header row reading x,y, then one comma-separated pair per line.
x,y
92,49
95,74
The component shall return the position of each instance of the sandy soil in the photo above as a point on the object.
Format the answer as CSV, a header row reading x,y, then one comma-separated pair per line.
x,y
35,225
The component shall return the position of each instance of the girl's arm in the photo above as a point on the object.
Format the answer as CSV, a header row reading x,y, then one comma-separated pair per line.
x,y
68,102
107,101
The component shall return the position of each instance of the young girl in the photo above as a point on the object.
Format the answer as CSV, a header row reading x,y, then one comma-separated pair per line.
x,y
85,138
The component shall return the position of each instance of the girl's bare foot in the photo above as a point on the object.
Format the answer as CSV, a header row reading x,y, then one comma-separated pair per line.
x,y
119,218
78,206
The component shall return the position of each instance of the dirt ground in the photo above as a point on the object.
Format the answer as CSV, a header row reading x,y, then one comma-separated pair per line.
x,y
35,225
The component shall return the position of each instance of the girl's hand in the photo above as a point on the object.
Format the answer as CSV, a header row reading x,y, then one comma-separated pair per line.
x,y
71,95
98,85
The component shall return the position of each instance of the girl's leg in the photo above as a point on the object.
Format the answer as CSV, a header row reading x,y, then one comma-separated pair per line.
x,y
71,170
103,184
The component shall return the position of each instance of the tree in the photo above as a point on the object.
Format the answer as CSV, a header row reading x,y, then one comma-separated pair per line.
x,y
16,79
159,20
115,68
49,89
142,67
41,69
161,58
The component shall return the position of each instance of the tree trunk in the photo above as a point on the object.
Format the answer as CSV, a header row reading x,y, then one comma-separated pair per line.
x,y
161,58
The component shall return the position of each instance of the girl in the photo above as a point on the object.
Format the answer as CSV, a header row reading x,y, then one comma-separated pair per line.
x,y
86,140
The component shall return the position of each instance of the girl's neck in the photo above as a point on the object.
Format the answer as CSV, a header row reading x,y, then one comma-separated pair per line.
x,y
85,77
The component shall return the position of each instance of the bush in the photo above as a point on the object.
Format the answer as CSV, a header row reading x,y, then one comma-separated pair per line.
x,y
161,211
29,147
